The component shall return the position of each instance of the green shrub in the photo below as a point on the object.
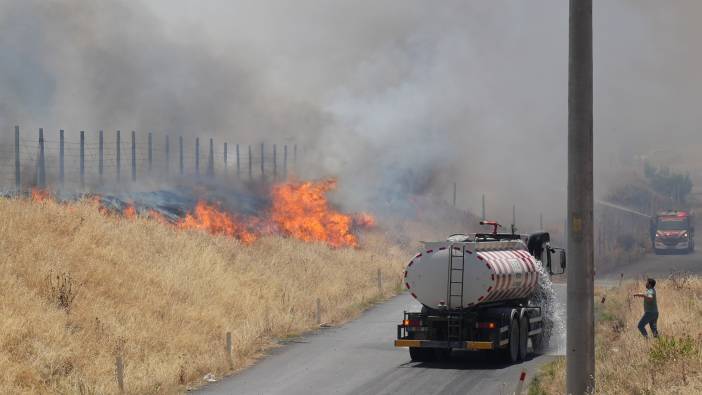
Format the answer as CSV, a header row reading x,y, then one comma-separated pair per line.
x,y
666,349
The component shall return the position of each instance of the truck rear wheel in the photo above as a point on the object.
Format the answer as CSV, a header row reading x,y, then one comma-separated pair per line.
x,y
422,354
511,353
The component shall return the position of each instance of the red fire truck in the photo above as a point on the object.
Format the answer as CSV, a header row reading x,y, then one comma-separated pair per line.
x,y
674,232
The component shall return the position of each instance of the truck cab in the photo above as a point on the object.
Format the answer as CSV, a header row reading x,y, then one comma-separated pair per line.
x,y
674,232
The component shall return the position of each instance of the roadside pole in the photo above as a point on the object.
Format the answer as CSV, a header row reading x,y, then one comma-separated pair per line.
x,y
454,195
580,354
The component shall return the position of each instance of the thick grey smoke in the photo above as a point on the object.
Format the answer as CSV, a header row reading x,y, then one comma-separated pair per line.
x,y
396,97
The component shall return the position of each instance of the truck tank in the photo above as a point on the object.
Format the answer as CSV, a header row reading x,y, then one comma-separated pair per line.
x,y
492,272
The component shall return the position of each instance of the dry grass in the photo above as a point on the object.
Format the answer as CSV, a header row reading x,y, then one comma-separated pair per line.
x,y
78,289
628,364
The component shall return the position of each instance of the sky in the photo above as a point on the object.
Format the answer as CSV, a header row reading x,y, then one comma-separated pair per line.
x,y
396,98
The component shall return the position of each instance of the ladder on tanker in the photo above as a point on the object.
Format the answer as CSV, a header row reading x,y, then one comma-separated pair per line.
x,y
454,291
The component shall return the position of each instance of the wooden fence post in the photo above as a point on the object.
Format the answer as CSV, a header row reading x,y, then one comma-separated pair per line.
x,y
118,156
275,161
119,370
18,184
319,312
41,169
168,154
238,166
225,157
180,145
250,164
230,359
150,147
133,156
454,195
100,155
197,156
82,159
61,159
210,160
380,282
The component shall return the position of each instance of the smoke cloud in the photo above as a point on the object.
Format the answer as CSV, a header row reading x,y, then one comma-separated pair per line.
x,y
396,98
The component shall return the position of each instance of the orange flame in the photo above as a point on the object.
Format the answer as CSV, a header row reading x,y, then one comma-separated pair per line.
x,y
212,219
129,212
301,210
40,195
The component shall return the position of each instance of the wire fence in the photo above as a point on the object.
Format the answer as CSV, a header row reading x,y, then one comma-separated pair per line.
x,y
95,159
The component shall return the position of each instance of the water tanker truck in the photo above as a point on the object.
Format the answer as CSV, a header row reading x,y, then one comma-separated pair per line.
x,y
479,292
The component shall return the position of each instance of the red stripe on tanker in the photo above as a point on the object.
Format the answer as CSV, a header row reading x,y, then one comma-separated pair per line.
x,y
498,261
495,277
505,271
495,265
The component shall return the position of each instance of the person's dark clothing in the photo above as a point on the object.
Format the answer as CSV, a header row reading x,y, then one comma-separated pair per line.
x,y
651,319
650,316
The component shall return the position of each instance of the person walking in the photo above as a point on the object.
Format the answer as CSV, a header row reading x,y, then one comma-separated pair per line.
x,y
650,316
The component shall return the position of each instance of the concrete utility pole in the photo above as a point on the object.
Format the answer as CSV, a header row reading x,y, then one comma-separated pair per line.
x,y
580,353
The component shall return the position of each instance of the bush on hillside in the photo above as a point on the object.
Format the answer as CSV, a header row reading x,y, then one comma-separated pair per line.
x,y
668,182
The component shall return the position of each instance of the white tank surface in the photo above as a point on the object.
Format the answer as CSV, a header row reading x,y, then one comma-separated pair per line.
x,y
492,272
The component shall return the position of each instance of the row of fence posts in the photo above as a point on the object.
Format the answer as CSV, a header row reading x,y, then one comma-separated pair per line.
x,y
210,171
229,351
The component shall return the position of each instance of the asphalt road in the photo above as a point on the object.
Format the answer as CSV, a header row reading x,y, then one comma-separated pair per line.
x,y
359,358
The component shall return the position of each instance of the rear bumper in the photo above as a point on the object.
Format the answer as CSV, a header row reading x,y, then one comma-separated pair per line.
x,y
466,345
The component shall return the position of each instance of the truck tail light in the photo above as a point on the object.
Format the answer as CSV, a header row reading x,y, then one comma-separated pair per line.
x,y
486,325
411,323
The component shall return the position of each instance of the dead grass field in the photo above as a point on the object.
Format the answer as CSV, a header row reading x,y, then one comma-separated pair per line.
x,y
160,297
628,364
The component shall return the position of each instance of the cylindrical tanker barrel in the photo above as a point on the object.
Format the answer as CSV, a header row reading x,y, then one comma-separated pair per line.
x,y
468,274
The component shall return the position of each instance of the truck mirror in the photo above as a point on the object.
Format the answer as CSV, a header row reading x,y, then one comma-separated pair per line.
x,y
548,259
563,259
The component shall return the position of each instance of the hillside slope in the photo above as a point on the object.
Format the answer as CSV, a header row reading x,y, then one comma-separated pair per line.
x,y
160,297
